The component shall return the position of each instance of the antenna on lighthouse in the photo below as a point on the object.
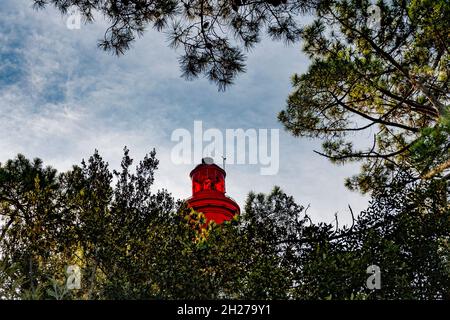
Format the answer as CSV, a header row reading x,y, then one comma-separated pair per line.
x,y
224,158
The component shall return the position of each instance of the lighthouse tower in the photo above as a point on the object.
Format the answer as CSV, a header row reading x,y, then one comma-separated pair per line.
x,y
208,192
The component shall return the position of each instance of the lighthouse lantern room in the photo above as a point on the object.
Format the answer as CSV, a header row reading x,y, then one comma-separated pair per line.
x,y
208,192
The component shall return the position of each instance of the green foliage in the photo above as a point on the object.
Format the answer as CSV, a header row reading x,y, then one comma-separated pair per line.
x,y
430,154
384,77
131,242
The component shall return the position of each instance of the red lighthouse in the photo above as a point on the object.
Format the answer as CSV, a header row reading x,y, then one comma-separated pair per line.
x,y
208,192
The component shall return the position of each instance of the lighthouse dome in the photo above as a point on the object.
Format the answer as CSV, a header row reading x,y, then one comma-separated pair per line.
x,y
208,192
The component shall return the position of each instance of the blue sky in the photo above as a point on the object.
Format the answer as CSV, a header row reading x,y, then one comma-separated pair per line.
x,y
61,98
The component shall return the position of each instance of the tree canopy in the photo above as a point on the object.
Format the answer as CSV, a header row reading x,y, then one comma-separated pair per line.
x,y
387,81
133,242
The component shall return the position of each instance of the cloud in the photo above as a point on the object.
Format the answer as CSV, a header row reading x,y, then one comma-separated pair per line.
x,y
61,98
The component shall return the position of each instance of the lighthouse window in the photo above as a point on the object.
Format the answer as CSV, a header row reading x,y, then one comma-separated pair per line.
x,y
219,183
209,179
207,184
196,183
196,186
